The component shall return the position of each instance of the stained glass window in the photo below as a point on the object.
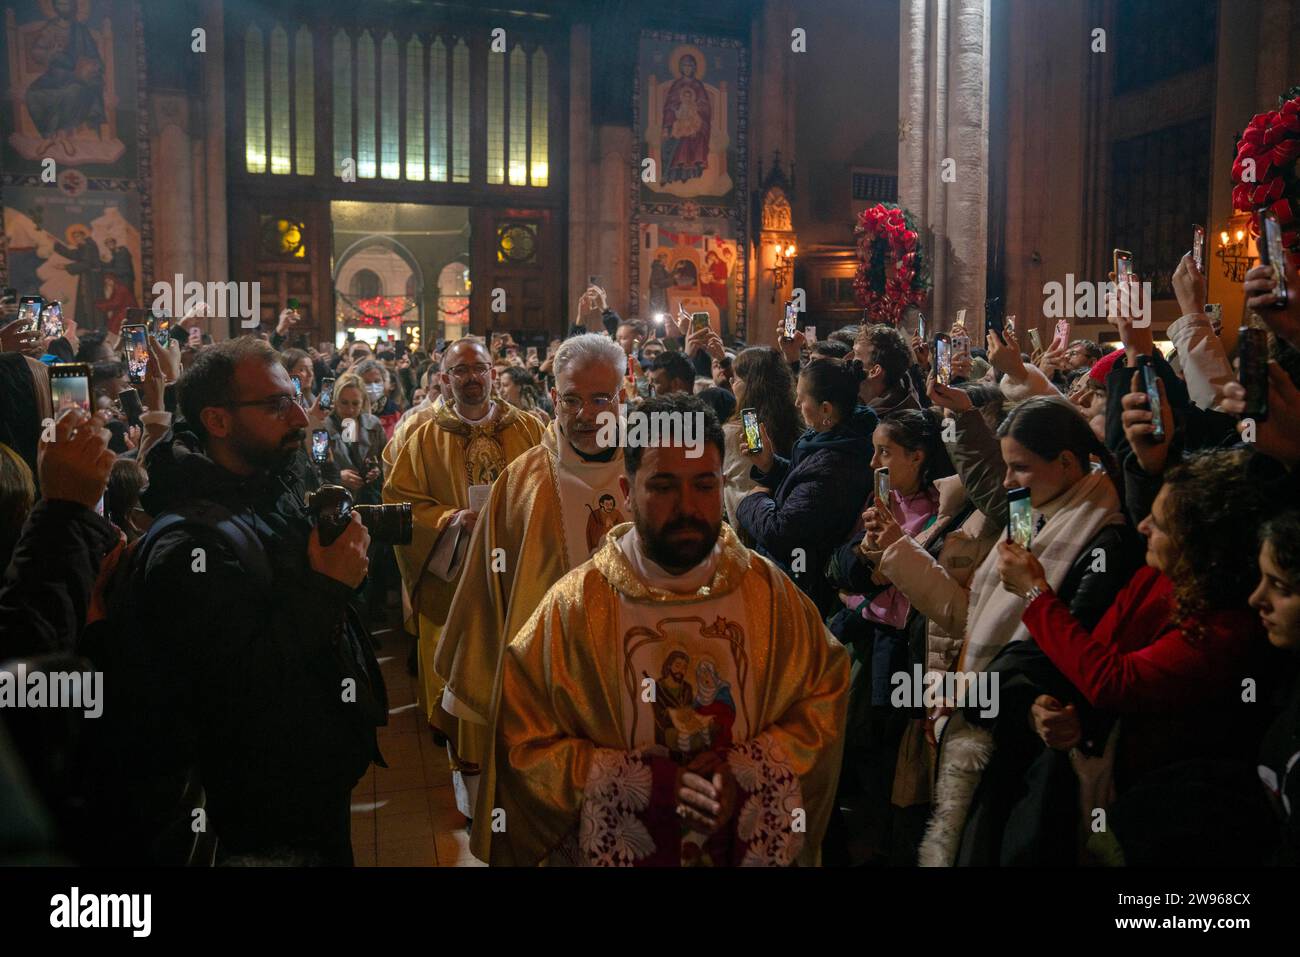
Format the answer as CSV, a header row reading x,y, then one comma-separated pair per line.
x,y
280,162
496,118
438,111
518,117
365,106
414,109
389,99
342,101
304,103
254,102
538,157
460,112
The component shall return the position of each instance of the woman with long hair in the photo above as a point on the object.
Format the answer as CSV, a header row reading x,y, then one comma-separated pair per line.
x,y
1045,447
761,381
806,505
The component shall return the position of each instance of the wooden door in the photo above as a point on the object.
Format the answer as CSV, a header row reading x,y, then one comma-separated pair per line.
x,y
516,271
284,245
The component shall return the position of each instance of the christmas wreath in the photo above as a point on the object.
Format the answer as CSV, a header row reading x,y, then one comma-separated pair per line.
x,y
887,234
1264,172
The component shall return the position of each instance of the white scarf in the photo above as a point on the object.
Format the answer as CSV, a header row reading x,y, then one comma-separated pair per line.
x,y
1073,519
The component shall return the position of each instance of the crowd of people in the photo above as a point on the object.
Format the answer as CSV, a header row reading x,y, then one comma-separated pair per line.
x,y
798,633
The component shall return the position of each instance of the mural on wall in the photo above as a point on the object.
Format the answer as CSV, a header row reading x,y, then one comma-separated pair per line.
x,y
689,219
683,267
75,156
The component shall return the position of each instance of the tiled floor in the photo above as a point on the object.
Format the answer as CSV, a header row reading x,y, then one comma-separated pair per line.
x,y
405,815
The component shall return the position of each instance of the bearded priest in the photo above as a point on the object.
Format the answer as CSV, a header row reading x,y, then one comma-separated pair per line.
x,y
675,700
445,469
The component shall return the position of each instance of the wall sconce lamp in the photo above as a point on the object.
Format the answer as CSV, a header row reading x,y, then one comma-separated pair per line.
x,y
1233,251
785,256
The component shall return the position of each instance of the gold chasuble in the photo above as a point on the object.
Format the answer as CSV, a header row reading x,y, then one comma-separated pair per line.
x,y
433,471
615,682
405,428
520,548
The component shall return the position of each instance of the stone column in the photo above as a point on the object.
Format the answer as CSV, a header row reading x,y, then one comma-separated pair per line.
x,y
943,116
173,189
580,166
217,266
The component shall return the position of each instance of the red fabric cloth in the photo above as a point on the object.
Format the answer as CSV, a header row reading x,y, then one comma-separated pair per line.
x,y
1102,366
1136,659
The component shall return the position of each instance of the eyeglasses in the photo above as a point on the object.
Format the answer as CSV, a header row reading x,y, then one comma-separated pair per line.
x,y
278,405
465,372
574,404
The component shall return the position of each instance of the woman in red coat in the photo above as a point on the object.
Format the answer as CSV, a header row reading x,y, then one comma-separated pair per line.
x,y
1179,636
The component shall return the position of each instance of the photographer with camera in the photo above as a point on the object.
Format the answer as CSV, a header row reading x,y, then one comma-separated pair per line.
x,y
239,652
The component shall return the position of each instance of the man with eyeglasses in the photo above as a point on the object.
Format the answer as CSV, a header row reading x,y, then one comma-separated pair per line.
x,y
444,469
548,512
240,632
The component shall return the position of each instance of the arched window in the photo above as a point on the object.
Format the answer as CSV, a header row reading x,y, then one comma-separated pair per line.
x,y
366,285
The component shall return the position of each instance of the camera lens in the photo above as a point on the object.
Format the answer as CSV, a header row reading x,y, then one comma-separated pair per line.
x,y
390,524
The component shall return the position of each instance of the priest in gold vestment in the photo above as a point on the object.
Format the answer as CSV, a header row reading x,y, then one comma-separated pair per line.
x,y
676,700
548,512
445,469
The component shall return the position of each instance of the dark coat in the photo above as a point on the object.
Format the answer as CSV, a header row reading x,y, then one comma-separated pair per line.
x,y
818,497
275,692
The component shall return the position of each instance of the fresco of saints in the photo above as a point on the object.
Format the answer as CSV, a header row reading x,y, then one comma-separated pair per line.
x,y
687,121
69,93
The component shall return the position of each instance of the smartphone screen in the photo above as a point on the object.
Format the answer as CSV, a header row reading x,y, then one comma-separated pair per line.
x,y
1149,380
162,330
1062,333
70,386
1123,265
1273,253
810,333
920,326
1020,527
29,311
327,394
1252,353
1036,340
1215,311
942,361
320,443
753,438
1198,248
882,486
129,401
699,320
52,319
292,303
791,319
135,339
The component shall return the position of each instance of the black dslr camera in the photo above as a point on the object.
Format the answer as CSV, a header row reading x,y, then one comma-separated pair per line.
x,y
333,507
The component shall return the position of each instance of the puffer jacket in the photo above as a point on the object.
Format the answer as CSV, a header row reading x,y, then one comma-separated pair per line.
x,y
938,586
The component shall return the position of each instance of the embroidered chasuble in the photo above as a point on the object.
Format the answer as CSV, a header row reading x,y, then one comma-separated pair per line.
x,y
624,673
547,513
434,470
